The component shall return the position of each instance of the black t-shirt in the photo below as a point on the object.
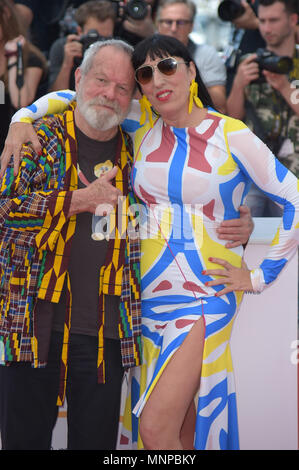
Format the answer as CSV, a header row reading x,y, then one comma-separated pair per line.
x,y
88,255
56,56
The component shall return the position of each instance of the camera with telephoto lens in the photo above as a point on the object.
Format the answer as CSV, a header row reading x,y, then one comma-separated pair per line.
x,y
87,40
267,60
135,9
230,10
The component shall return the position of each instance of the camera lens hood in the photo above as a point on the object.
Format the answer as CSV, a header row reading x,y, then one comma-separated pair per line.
x,y
136,9
230,10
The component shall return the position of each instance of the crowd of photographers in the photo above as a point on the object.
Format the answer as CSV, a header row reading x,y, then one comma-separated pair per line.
x,y
255,80
263,73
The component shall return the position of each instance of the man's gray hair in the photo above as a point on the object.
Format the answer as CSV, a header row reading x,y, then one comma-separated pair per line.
x,y
189,3
96,46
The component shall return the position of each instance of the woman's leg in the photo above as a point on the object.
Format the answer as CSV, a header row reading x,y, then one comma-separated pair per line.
x,y
163,416
188,428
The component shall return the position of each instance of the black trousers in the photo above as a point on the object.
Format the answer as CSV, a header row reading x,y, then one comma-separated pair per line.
x,y
28,410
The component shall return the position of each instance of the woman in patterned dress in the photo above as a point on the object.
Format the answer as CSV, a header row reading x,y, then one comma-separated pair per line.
x,y
193,167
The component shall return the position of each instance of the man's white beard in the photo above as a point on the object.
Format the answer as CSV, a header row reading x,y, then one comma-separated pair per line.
x,y
100,118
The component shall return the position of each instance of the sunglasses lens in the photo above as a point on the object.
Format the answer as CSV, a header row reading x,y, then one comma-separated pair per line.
x,y
144,75
167,66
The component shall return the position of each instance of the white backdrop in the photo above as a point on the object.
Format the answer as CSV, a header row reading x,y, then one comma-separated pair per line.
x,y
263,353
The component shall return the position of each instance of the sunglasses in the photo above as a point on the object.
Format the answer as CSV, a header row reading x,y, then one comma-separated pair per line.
x,y
144,74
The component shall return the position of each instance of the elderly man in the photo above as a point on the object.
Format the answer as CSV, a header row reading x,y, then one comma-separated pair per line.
x,y
56,297
56,314
175,18
67,52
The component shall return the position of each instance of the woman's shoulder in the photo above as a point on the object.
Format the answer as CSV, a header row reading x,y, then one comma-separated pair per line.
x,y
228,123
136,119
35,58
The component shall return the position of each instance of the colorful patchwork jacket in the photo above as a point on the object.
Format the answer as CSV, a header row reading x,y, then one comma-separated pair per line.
x,y
35,242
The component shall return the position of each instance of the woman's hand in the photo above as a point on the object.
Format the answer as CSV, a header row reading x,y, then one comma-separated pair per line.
x,y
235,279
19,134
247,71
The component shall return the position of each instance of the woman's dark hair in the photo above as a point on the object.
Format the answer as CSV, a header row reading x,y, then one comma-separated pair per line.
x,y
160,45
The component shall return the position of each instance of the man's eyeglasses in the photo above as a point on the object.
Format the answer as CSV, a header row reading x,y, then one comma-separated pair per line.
x,y
169,23
167,66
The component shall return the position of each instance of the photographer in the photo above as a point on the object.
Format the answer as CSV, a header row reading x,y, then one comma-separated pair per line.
x,y
176,18
268,101
245,36
95,19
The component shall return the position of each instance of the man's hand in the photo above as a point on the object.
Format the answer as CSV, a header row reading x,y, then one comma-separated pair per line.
x,y
248,71
99,197
277,81
248,20
142,28
19,134
237,231
72,48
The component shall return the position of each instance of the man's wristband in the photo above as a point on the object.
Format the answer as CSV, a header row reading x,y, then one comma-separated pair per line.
x,y
9,66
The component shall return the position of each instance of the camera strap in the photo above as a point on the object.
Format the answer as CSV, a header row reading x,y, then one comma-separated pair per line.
x,y
232,51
